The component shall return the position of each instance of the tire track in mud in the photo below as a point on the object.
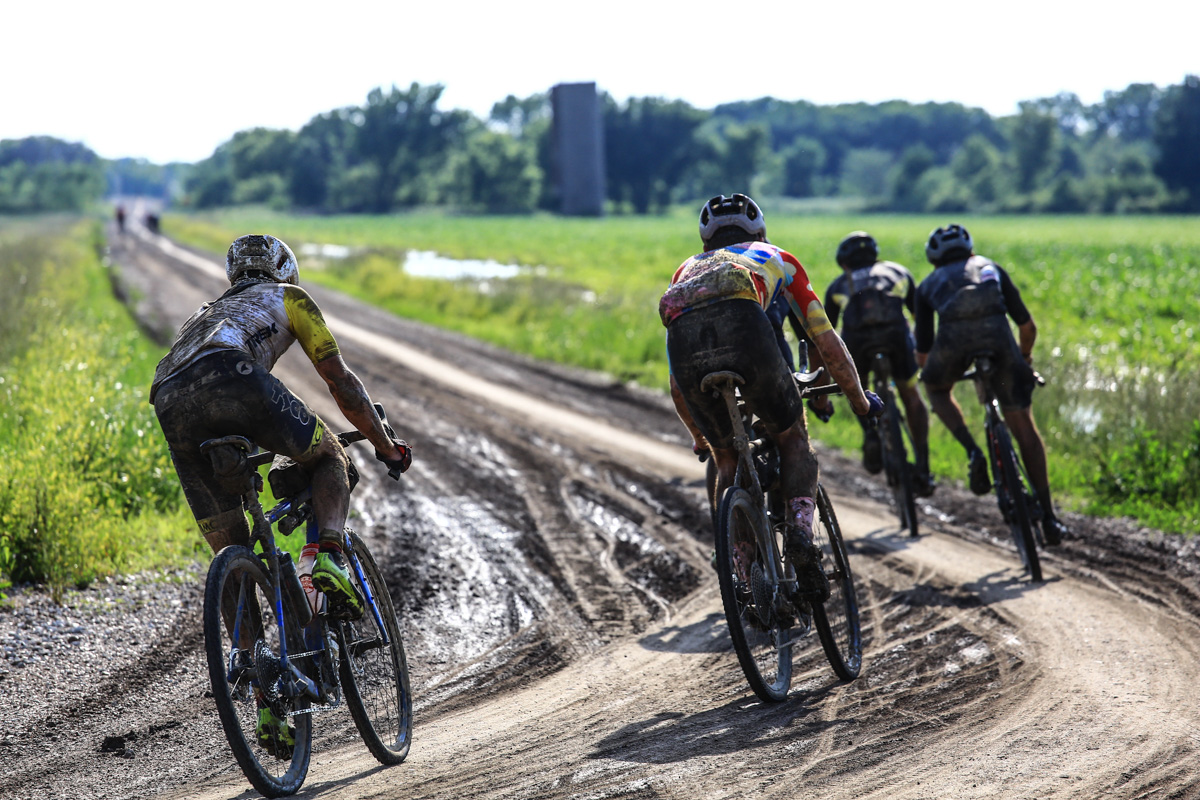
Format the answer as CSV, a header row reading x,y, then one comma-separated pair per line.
x,y
597,663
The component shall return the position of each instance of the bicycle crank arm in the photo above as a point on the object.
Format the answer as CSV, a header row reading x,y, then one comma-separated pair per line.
x,y
304,684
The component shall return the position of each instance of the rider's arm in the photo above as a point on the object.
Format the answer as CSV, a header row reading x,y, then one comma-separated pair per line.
x,y
352,399
1026,336
308,324
841,368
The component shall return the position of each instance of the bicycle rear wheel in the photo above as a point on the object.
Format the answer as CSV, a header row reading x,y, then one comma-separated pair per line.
x,y
745,570
899,470
837,620
242,642
373,667
1012,493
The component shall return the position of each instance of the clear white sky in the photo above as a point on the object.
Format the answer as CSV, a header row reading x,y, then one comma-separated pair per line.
x,y
170,81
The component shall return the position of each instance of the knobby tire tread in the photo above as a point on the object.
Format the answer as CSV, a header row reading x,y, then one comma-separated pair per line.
x,y
845,657
1021,524
231,561
737,501
387,753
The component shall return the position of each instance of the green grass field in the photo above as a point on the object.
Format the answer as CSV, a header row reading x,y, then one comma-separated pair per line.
x,y
1114,299
87,487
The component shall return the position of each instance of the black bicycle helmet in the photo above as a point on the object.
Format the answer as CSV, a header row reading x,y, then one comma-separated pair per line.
x,y
859,249
950,242
737,211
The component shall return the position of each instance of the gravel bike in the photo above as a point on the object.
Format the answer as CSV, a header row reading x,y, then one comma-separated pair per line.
x,y
898,470
268,647
767,607
1018,504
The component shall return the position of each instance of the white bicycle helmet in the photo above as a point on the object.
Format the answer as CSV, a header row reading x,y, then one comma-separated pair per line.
x,y
945,243
737,210
263,254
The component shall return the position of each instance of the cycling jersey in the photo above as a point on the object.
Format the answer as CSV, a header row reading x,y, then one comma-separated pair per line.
x,y
871,296
756,271
967,290
260,319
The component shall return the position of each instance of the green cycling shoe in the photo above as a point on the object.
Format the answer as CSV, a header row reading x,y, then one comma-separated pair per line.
x,y
275,735
331,577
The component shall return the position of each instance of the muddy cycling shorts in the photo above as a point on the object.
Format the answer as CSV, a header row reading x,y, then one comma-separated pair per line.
x,y
955,346
733,335
894,341
225,394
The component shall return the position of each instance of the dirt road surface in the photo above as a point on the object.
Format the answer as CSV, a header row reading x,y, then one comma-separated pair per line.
x,y
548,557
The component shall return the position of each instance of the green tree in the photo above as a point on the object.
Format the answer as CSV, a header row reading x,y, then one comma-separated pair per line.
x,y
906,190
865,173
1034,136
803,161
648,146
1177,135
495,174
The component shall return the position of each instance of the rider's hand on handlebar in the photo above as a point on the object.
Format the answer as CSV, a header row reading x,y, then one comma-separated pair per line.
x,y
399,464
822,407
875,409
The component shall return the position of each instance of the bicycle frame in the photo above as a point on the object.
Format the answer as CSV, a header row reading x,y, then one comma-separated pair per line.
x,y
262,533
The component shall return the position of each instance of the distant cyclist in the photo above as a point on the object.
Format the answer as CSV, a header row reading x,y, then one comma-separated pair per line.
x,y
715,316
216,381
973,298
870,295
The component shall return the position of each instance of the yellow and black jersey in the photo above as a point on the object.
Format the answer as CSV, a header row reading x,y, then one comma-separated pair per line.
x,y
259,319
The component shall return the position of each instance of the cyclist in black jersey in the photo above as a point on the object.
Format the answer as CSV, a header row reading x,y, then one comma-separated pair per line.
x,y
870,296
973,298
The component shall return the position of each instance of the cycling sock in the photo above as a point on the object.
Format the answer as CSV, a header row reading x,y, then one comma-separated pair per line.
x,y
330,541
964,437
802,512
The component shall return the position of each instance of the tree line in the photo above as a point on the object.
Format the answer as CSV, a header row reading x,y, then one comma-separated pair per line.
x,y
1132,152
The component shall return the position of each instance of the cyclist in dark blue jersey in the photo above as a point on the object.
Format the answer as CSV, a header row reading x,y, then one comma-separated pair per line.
x,y
973,298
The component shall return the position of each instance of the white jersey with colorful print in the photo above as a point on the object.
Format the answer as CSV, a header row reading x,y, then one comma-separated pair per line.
x,y
757,271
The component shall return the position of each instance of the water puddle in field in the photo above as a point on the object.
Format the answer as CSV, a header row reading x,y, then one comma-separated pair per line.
x,y
429,264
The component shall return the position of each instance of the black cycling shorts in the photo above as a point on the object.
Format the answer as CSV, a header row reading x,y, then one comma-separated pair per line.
x,y
955,346
733,335
894,341
225,394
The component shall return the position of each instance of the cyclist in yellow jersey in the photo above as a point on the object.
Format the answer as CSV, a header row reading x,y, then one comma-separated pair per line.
x,y
715,312
216,381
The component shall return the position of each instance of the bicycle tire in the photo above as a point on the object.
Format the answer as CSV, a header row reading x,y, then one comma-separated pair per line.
x,y
1020,522
837,619
375,679
900,471
236,580
756,632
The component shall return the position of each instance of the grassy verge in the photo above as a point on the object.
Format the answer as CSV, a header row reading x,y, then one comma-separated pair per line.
x,y
1113,297
88,488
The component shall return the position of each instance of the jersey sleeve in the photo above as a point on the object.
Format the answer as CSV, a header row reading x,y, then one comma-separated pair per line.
x,y
1012,298
804,299
308,324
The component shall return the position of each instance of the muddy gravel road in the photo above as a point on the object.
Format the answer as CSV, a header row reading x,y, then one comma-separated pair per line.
x,y
548,557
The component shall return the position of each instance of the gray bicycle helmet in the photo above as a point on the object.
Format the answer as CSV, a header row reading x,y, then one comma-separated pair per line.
x,y
947,243
737,211
260,253
859,249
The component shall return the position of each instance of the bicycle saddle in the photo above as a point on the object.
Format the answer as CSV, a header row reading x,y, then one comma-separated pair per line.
x,y
230,462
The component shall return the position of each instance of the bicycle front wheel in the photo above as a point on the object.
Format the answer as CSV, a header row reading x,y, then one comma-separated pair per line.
x,y
242,642
837,620
746,570
1012,492
373,667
